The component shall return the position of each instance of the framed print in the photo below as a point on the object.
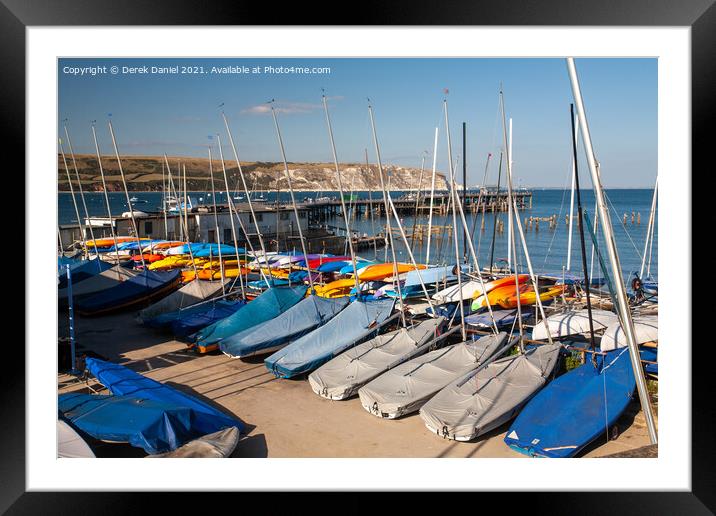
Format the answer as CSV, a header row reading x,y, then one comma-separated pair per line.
x,y
335,257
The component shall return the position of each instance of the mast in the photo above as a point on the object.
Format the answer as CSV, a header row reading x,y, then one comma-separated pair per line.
x,y
519,225
372,215
581,233
575,129
625,314
164,204
454,223
216,221
400,225
432,196
389,230
74,201
248,199
649,231
126,194
293,199
82,193
343,202
417,201
464,186
494,213
509,196
186,226
232,210
106,196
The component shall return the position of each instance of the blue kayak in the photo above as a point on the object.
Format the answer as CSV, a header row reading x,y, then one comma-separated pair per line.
x,y
301,318
141,288
268,305
574,409
354,323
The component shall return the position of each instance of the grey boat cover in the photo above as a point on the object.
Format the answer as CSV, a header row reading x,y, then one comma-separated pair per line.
x,y
646,328
98,282
70,444
406,388
303,317
483,400
216,445
354,323
341,377
451,294
190,294
573,323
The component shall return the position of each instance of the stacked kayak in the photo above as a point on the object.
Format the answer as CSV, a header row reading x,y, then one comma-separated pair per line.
x,y
268,305
380,271
497,290
341,377
302,318
490,396
140,411
141,288
354,323
405,388
337,288
575,408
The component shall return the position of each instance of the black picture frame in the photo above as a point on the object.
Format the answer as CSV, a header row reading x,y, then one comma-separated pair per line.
x,y
700,15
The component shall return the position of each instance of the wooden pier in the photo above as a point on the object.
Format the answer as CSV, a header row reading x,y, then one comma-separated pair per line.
x,y
474,201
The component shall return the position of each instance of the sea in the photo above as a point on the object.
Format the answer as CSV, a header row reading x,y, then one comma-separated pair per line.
x,y
547,247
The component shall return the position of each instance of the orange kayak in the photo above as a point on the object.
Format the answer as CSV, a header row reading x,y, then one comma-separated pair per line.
x,y
507,280
212,274
148,258
107,242
495,295
380,271
528,296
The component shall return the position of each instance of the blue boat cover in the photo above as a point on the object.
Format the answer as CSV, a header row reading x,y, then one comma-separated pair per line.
x,y
133,290
153,426
80,270
348,269
301,318
574,409
261,284
268,305
122,381
190,319
354,323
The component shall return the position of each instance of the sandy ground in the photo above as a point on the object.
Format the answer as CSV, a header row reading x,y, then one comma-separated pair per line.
x,y
284,418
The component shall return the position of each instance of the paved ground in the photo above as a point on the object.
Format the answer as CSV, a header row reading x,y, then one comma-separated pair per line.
x,y
285,418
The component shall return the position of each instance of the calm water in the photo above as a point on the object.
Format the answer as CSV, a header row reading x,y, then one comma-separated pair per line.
x,y
547,247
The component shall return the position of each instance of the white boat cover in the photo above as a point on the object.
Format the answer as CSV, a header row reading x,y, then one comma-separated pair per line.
x,y
190,294
646,328
573,323
405,388
341,377
451,294
70,444
211,446
98,282
483,400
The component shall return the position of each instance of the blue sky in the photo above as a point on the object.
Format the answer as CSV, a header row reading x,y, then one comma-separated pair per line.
x,y
174,113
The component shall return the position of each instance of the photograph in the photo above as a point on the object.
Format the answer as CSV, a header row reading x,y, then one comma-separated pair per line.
x,y
358,257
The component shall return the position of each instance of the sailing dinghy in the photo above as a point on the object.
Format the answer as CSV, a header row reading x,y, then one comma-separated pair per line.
x,y
357,321
341,377
268,305
191,293
573,323
575,408
97,283
491,396
141,288
271,335
406,388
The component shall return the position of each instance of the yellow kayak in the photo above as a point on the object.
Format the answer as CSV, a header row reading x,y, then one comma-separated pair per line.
x,y
338,288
